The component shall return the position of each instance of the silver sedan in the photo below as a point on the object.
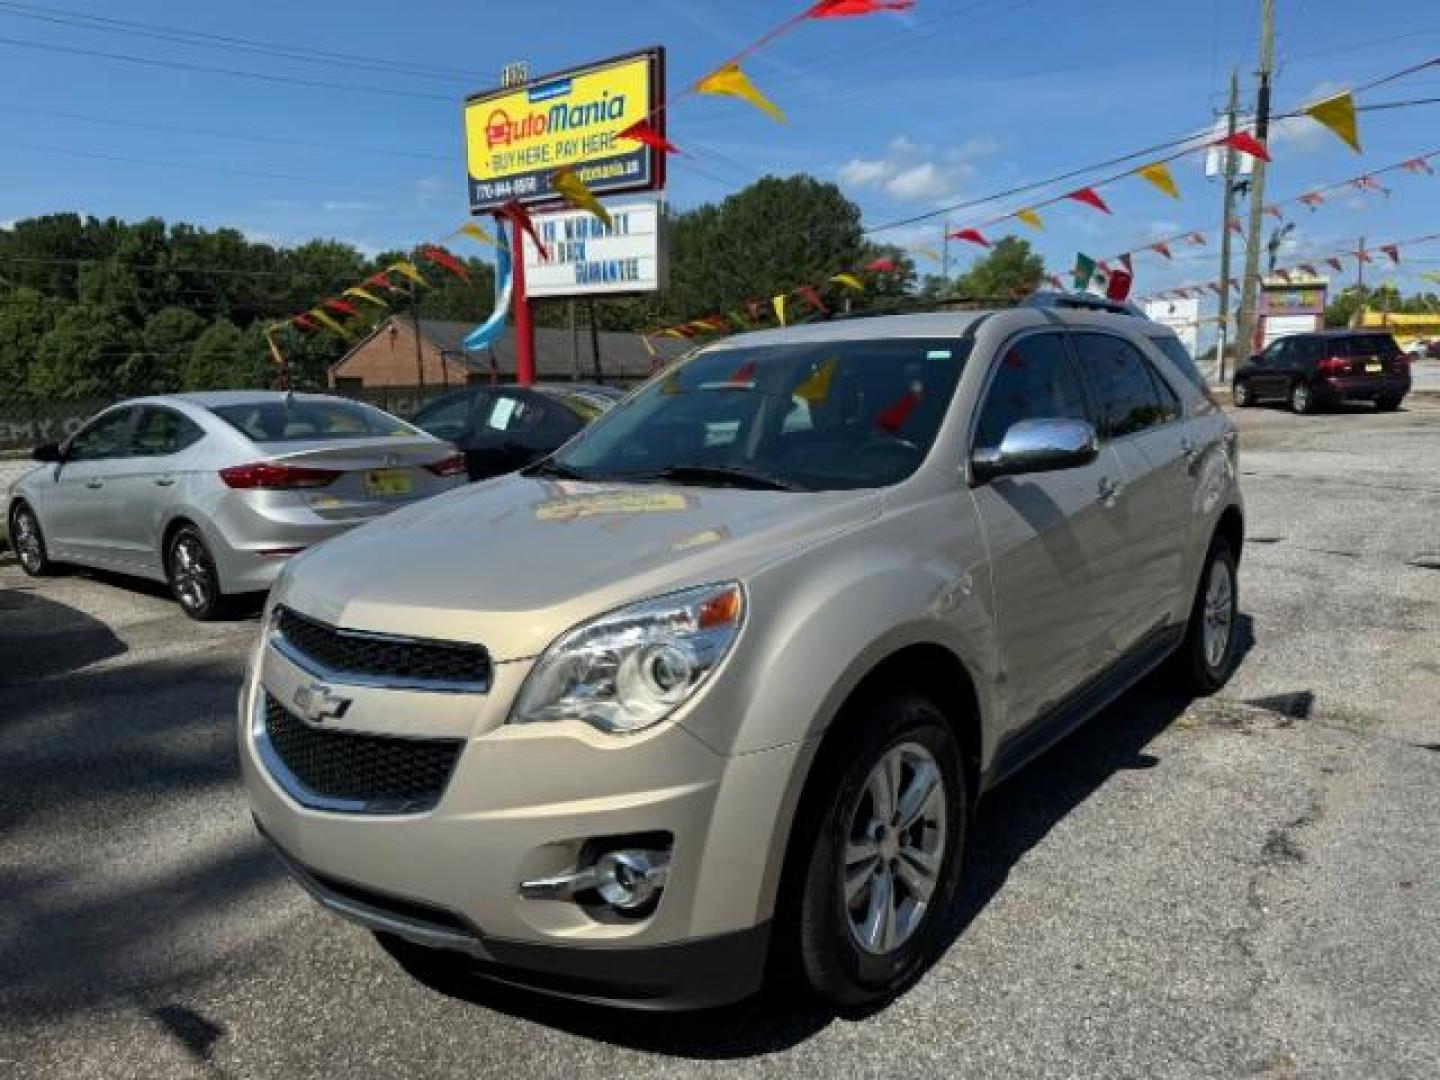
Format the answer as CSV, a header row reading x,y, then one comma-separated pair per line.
x,y
213,492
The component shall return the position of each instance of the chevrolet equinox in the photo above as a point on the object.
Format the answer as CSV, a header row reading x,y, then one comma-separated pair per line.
x,y
712,692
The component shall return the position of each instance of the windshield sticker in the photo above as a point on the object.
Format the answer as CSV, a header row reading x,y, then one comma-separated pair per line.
x,y
939,354
501,413
578,507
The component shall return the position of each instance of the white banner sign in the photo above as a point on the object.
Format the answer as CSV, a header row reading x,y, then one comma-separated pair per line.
x,y
590,258
1182,316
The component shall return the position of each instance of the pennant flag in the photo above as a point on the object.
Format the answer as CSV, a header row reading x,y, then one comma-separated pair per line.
x,y
305,322
407,270
1336,264
742,375
778,303
1129,263
344,307
816,387
812,298
1283,274
850,281
327,322
882,266
1338,114
1234,226
518,214
642,131
366,295
443,258
1161,248
1362,256
1118,287
1196,238
1084,271
1418,165
730,81
892,418
1031,218
1245,143
928,252
1054,279
568,183
970,236
1104,268
1307,270
839,9
1392,251
1312,199
1366,183
1159,175
1274,211
475,232
1090,197
382,280
672,332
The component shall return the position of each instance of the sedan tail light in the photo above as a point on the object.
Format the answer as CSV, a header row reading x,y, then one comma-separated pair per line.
x,y
1334,365
267,476
453,465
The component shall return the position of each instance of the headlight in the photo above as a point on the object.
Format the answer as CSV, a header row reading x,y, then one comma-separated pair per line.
x,y
632,668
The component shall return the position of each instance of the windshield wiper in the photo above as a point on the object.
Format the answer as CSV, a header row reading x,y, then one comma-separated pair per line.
x,y
726,474
550,467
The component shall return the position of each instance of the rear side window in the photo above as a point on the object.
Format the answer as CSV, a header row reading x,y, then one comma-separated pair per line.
x,y
447,418
1180,356
1129,396
301,421
1363,345
1033,381
162,432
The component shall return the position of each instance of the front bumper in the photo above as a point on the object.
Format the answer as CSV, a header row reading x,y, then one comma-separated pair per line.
x,y
522,802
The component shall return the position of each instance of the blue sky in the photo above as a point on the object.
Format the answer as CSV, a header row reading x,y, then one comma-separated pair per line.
x,y
908,112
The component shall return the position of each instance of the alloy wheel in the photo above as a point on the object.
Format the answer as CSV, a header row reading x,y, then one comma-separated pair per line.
x,y
894,850
1219,617
28,545
1300,398
190,572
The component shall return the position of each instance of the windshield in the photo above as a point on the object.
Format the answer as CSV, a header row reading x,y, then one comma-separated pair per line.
x,y
820,416
302,421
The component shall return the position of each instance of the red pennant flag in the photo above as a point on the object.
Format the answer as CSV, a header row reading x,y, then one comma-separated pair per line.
x,y
1129,263
1119,285
1103,267
1366,183
742,375
305,322
444,259
1336,264
1418,165
1234,226
812,298
839,9
1362,256
382,280
1161,248
1392,251
1245,143
642,131
892,418
970,236
882,266
1090,197
1274,211
1196,238
1312,199
344,307
518,214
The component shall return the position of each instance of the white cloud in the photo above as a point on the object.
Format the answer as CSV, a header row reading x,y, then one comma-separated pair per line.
x,y
917,172
862,173
920,182
343,206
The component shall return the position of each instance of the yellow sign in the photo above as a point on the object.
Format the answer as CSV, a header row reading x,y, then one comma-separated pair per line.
x,y
515,139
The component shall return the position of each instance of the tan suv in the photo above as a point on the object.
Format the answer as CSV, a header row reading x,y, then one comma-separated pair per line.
x,y
714,689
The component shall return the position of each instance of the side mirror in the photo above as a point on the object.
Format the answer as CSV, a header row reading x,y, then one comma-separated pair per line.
x,y
1032,446
47,452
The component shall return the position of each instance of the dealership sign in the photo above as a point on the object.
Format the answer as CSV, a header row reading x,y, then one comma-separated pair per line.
x,y
590,258
516,138
1182,316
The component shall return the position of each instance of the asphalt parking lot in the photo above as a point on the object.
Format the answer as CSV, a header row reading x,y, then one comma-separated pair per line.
x,y
1245,886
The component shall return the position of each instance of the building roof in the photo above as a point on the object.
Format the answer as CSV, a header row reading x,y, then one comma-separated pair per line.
x,y
622,354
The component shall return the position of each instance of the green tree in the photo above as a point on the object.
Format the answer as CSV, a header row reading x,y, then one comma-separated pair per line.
x,y
226,358
26,316
82,355
167,340
1010,268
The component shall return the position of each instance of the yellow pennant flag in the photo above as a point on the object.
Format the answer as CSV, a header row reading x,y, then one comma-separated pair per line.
x,y
816,389
568,183
778,303
850,281
475,232
730,81
1031,218
1159,175
329,323
408,270
928,252
366,295
1338,114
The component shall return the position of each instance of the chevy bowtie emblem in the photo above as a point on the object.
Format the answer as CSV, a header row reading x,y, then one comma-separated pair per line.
x,y
317,703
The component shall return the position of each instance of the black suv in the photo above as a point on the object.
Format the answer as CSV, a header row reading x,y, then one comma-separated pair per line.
x,y
1328,366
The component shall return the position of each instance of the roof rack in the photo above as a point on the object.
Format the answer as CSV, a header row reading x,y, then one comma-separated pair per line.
x,y
1082,302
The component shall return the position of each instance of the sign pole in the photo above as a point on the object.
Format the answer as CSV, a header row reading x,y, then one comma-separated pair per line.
x,y
524,330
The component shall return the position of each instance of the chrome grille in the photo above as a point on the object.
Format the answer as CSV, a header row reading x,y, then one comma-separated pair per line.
x,y
346,770
381,659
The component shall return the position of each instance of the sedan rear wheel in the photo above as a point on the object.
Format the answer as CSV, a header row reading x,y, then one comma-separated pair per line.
x,y
192,575
1301,399
29,542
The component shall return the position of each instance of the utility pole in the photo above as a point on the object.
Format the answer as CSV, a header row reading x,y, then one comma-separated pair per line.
x,y
419,351
945,257
1249,287
1224,339
1358,319
595,340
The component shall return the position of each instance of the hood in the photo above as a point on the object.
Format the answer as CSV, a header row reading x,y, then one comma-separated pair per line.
x,y
514,562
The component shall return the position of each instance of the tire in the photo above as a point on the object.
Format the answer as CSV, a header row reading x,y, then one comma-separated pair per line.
x,y
28,542
190,570
1242,395
1203,666
1388,404
1302,399
859,957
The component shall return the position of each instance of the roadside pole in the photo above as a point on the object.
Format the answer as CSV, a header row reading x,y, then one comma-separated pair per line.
x,y
419,349
1249,286
1229,211
1358,319
524,330
945,259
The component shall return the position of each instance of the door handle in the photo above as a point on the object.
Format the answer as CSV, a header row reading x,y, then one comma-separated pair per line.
x,y
1107,491
93,484
165,481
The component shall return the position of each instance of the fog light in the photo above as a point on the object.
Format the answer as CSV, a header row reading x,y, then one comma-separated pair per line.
x,y
629,879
